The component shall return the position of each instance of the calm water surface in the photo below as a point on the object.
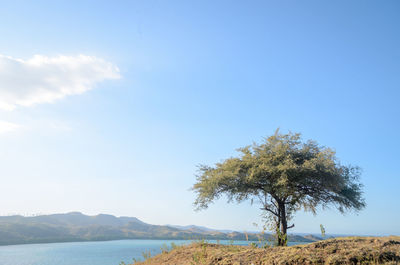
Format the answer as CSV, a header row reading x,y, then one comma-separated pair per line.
x,y
87,253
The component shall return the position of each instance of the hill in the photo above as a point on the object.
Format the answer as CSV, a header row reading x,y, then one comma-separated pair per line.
x,y
76,226
199,228
349,250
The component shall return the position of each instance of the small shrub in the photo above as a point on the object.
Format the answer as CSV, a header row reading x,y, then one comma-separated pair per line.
x,y
164,248
253,245
146,255
173,245
199,257
322,230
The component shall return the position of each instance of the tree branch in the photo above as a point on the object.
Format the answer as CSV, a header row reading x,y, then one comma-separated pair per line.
x,y
276,206
290,226
269,210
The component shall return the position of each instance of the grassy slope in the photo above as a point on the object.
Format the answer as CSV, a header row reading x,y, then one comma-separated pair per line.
x,y
348,250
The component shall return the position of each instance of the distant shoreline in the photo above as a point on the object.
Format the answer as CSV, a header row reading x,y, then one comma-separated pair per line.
x,y
77,227
144,239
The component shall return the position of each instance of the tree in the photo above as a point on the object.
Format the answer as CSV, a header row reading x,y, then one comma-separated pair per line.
x,y
284,174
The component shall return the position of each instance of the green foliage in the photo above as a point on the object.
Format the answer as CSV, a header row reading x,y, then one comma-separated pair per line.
x,y
199,257
146,255
282,238
253,245
322,230
284,175
164,248
173,245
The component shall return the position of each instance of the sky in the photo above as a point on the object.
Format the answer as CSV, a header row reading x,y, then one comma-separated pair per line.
x,y
109,107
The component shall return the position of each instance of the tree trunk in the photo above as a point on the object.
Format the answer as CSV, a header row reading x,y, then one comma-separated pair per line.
x,y
278,228
283,224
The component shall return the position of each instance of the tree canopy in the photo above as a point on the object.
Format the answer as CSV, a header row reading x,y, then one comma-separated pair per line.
x,y
284,174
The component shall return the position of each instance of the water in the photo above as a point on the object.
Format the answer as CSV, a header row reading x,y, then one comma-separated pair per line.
x,y
88,253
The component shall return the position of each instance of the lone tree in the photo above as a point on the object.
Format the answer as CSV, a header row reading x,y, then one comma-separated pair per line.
x,y
285,175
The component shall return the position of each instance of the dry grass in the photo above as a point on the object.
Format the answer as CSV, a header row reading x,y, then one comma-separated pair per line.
x,y
348,250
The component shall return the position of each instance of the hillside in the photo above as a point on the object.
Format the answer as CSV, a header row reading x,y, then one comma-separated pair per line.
x,y
76,226
349,250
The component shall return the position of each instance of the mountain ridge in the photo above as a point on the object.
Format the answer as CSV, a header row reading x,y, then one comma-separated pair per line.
x,y
75,226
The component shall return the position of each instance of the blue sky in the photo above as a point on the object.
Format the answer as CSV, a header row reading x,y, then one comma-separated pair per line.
x,y
137,93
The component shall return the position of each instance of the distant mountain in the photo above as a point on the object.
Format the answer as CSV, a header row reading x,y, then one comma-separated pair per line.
x,y
76,226
72,219
199,228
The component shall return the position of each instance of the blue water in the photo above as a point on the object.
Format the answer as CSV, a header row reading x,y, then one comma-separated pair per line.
x,y
88,253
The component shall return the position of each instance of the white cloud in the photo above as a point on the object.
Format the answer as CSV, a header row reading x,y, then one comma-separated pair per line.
x,y
43,79
6,127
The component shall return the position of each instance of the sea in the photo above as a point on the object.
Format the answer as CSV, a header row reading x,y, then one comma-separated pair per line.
x,y
91,253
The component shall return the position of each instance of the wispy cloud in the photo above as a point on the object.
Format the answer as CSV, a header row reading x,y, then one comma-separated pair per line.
x,y
43,79
6,127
